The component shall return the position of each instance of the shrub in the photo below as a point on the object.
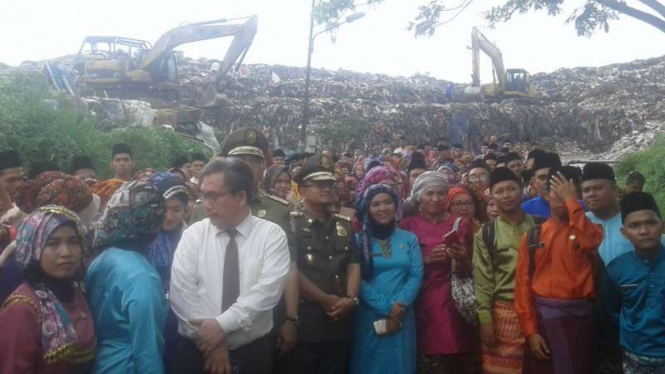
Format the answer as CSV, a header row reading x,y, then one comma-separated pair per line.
x,y
650,163
30,124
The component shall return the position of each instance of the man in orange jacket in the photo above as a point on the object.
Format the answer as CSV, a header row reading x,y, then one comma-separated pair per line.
x,y
554,283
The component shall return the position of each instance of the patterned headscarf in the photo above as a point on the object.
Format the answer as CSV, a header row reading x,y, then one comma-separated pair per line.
x,y
366,234
144,174
36,229
70,192
374,176
106,189
26,195
170,185
401,180
135,213
57,332
425,181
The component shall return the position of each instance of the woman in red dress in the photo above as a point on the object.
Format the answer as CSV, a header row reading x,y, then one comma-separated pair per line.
x,y
445,340
46,324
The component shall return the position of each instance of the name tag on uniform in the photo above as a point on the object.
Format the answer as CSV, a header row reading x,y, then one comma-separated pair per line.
x,y
628,286
375,254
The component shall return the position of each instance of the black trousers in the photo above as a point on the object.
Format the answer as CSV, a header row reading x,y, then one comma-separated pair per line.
x,y
320,358
256,357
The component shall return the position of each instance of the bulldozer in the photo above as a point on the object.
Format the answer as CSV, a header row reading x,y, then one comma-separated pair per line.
x,y
110,62
507,84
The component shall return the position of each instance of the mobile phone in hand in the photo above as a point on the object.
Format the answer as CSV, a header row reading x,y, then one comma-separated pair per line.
x,y
451,238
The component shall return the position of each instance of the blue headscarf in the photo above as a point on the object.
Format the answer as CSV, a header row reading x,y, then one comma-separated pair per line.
x,y
371,230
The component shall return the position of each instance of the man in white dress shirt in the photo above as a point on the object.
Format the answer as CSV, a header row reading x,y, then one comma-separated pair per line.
x,y
228,274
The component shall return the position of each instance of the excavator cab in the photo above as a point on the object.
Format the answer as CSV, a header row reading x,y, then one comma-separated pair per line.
x,y
108,62
517,80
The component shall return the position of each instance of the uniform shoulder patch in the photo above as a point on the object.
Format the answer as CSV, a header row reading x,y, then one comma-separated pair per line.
x,y
343,217
279,200
296,214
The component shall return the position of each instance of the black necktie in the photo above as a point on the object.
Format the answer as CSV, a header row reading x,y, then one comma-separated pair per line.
x,y
231,278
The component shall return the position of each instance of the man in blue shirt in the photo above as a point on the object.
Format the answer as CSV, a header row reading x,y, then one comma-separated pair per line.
x,y
599,191
538,206
636,287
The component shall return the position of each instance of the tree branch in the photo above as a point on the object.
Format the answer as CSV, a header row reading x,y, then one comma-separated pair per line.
x,y
635,13
655,5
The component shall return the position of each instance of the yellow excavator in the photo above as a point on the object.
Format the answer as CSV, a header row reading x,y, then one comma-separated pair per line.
x,y
116,62
507,84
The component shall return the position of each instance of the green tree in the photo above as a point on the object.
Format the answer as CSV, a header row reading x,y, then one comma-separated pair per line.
x,y
589,17
649,162
30,124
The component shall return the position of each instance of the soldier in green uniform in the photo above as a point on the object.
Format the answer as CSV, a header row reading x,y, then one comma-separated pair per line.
x,y
329,273
251,146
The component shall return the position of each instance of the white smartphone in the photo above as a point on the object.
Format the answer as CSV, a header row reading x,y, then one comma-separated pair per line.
x,y
381,326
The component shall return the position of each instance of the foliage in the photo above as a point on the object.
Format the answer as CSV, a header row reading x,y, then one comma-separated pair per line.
x,y
30,124
589,17
343,134
650,163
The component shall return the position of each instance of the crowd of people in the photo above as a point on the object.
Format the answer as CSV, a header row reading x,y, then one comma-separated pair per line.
x,y
404,259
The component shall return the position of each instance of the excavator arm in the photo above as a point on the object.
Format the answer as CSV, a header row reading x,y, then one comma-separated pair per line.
x,y
244,35
480,42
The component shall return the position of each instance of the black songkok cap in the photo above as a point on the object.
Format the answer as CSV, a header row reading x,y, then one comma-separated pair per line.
x,y
502,174
598,170
490,156
535,153
37,168
501,159
569,172
417,161
546,160
9,159
526,176
278,153
179,162
637,201
512,156
479,164
121,148
80,163
198,156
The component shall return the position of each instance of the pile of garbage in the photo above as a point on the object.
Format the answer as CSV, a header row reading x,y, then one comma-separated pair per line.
x,y
605,112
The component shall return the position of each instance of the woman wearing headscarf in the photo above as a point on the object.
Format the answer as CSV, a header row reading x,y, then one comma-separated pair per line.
x,y
491,211
451,172
376,175
160,252
124,291
46,323
461,203
444,338
277,182
392,272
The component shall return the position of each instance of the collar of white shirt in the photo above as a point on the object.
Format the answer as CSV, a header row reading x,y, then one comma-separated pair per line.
x,y
244,227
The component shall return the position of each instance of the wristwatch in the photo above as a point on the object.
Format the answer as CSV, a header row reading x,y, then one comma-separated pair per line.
x,y
295,319
354,298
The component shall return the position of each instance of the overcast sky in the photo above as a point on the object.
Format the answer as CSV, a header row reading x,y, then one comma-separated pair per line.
x,y
378,43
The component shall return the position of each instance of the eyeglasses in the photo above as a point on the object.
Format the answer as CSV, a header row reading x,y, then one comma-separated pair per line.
x,y
462,204
479,178
212,198
322,185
